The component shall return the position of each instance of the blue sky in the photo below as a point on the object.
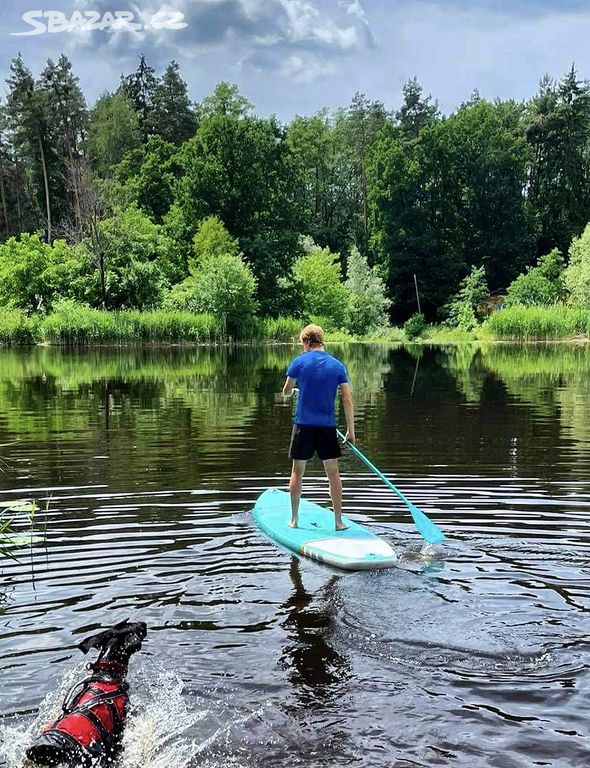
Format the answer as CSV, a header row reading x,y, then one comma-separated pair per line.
x,y
295,56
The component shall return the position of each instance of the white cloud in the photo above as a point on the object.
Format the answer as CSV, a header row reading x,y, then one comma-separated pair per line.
x,y
307,70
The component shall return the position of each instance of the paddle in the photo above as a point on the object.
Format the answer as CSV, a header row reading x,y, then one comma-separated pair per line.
x,y
427,529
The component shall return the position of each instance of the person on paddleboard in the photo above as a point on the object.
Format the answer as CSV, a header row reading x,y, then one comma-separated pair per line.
x,y
316,377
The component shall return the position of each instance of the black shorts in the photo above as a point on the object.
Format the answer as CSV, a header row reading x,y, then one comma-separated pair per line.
x,y
307,440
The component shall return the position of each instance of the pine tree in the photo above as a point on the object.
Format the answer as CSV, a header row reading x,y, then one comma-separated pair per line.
x,y
34,137
172,116
70,118
417,111
140,89
364,119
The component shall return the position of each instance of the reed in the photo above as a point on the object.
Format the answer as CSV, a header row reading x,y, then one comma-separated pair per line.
x,y
520,323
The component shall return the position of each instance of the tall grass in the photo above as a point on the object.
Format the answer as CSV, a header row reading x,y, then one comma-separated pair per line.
x,y
73,324
537,323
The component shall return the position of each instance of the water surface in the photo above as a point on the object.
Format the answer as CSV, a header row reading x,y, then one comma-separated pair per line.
x,y
146,464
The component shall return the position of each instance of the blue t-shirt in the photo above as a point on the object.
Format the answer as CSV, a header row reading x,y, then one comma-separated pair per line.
x,y
318,376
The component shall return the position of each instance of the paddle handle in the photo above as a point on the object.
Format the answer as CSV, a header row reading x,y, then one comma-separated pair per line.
x,y
373,468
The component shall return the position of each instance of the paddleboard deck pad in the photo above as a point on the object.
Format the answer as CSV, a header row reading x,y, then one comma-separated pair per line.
x,y
355,549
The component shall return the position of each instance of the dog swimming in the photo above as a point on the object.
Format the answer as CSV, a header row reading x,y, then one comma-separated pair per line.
x,y
90,728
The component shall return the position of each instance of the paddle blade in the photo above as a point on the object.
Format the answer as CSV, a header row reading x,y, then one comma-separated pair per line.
x,y
427,529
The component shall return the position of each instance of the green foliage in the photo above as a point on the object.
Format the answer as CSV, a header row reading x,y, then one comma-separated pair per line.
x,y
147,175
124,266
450,198
577,274
239,169
212,241
172,115
541,285
282,329
461,311
320,274
220,283
520,323
225,287
557,123
32,272
367,300
74,324
114,131
415,326
16,327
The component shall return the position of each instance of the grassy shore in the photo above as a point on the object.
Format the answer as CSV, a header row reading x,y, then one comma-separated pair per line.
x,y
78,325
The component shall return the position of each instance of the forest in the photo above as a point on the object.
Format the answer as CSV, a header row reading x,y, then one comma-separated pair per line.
x,y
369,215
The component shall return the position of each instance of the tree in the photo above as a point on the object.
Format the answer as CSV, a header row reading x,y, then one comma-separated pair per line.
x,y
240,169
34,138
541,285
413,224
367,300
140,88
325,179
211,241
67,104
320,274
113,131
148,175
557,129
172,115
577,273
226,100
462,310
220,283
416,112
124,263
33,273
358,130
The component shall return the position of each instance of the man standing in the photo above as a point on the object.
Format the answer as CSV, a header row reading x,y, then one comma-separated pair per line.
x,y
318,376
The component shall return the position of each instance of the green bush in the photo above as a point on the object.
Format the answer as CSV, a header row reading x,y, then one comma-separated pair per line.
x,y
541,285
130,250
415,326
17,328
33,273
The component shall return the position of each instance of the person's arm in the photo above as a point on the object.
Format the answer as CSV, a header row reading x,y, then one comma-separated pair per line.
x,y
348,406
289,386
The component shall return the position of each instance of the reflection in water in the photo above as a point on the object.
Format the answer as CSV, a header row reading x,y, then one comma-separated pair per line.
x,y
317,672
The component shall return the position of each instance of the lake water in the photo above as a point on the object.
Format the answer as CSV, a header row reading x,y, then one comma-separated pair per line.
x,y
146,464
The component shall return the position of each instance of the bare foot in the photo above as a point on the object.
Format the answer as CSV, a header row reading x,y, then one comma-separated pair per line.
x,y
293,524
341,527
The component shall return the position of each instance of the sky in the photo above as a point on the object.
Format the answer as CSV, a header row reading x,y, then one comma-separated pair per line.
x,y
293,57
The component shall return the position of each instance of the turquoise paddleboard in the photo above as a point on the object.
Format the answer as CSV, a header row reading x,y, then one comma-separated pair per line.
x,y
355,549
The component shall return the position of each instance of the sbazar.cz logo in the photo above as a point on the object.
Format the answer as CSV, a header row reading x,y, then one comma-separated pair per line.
x,y
42,22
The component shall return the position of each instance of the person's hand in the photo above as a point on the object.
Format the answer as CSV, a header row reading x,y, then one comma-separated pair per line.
x,y
350,436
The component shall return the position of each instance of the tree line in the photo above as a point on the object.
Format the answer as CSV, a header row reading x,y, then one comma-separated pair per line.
x,y
149,200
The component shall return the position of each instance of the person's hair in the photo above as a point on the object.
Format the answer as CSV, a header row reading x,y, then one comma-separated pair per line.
x,y
312,334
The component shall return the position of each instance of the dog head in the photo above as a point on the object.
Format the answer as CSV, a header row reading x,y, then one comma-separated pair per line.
x,y
117,643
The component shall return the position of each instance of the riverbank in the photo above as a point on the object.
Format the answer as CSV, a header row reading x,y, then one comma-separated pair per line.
x,y
74,325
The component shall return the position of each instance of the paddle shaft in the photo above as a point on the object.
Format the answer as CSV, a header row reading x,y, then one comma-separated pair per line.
x,y
373,468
